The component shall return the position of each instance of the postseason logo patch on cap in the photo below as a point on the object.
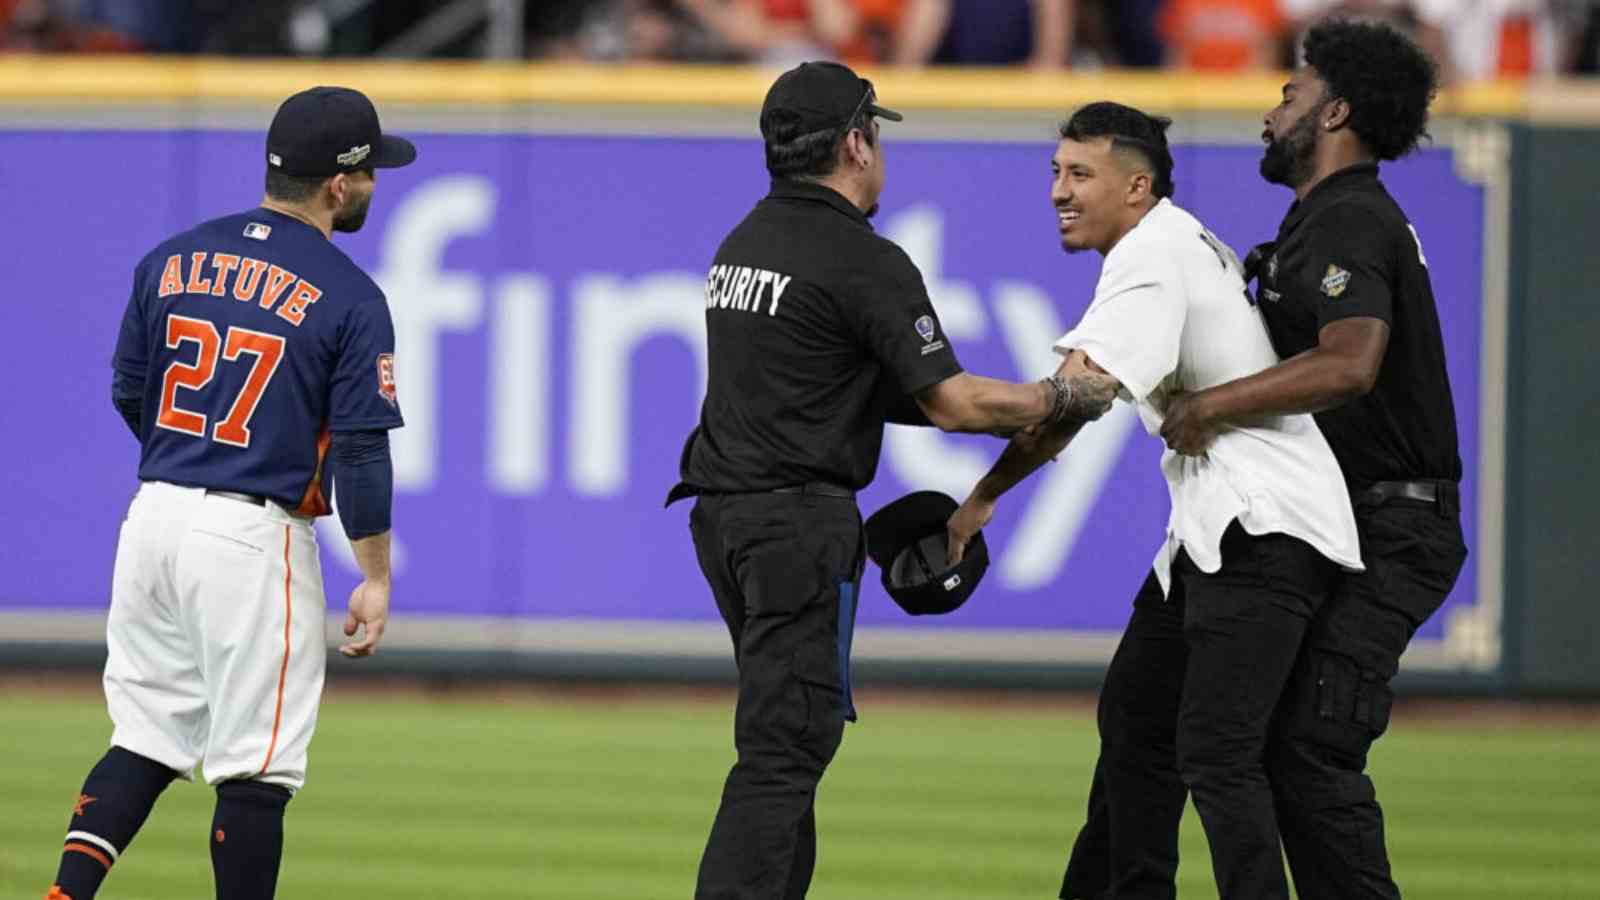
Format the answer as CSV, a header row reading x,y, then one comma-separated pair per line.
x,y
355,155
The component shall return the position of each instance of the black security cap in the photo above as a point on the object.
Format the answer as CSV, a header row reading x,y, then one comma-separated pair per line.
x,y
823,95
328,130
908,542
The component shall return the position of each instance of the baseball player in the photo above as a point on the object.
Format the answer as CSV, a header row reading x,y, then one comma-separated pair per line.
x,y
1259,530
255,361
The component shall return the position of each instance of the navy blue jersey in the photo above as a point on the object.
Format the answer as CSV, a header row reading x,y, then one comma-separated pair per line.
x,y
255,337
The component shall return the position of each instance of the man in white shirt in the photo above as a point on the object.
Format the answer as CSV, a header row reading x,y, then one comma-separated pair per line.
x,y
1259,530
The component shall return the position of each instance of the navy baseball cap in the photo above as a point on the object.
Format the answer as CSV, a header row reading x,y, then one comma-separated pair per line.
x,y
328,130
907,540
823,95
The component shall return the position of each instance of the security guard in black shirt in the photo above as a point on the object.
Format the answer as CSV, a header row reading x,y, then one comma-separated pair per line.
x,y
1346,296
1346,251
819,332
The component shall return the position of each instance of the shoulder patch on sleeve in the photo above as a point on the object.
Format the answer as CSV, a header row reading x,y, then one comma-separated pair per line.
x,y
1334,281
928,330
386,386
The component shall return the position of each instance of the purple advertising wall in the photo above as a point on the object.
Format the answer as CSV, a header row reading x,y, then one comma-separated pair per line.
x,y
547,293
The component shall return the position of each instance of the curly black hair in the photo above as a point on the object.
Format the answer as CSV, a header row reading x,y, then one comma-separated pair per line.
x,y
1387,80
1130,130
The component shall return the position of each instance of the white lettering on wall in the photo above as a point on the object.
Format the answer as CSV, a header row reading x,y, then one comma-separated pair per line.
x,y
611,318
427,302
519,386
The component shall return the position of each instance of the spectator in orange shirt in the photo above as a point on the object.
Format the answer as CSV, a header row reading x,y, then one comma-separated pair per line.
x,y
784,31
773,32
861,32
1222,35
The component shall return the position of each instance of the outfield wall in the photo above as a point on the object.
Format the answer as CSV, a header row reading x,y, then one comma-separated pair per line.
x,y
1552,420
545,261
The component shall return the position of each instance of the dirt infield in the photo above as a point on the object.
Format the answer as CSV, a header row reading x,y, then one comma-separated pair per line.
x,y
1464,712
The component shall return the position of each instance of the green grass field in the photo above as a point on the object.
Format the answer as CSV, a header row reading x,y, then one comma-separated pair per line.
x,y
610,795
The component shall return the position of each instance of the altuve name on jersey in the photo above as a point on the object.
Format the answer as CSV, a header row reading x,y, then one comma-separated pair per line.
x,y
743,288
253,281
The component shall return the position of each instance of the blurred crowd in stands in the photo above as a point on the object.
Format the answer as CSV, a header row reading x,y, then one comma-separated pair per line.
x,y
1474,39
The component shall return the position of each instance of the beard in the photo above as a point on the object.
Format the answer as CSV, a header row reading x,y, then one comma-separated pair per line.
x,y
1288,159
351,218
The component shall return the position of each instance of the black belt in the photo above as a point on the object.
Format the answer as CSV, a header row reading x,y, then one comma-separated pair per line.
x,y
818,489
810,489
1445,496
251,499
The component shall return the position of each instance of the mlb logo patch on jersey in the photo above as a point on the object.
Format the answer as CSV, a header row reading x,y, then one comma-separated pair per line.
x,y
257,231
386,379
1334,281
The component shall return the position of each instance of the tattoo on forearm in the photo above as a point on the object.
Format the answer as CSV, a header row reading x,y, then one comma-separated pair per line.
x,y
1083,396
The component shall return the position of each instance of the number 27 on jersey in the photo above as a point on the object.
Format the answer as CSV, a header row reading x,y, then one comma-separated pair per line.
x,y
234,429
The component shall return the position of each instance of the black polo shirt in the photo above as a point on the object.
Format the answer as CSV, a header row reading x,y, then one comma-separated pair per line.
x,y
819,331
1347,250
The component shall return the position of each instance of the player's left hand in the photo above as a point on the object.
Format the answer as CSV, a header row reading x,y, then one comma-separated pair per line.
x,y
1187,426
369,607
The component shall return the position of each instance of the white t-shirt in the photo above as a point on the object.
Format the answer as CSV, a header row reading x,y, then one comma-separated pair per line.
x,y
1171,314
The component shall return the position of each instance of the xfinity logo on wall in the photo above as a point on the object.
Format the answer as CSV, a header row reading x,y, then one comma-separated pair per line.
x,y
601,324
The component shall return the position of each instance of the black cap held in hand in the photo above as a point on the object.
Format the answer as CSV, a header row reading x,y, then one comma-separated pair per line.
x,y
907,540
823,95
328,130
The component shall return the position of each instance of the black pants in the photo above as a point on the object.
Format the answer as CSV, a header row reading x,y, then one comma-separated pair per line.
x,y
1339,698
1335,705
1186,709
785,569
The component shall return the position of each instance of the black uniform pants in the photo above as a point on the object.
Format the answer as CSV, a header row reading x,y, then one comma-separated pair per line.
x,y
1338,701
1335,705
1186,709
785,569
